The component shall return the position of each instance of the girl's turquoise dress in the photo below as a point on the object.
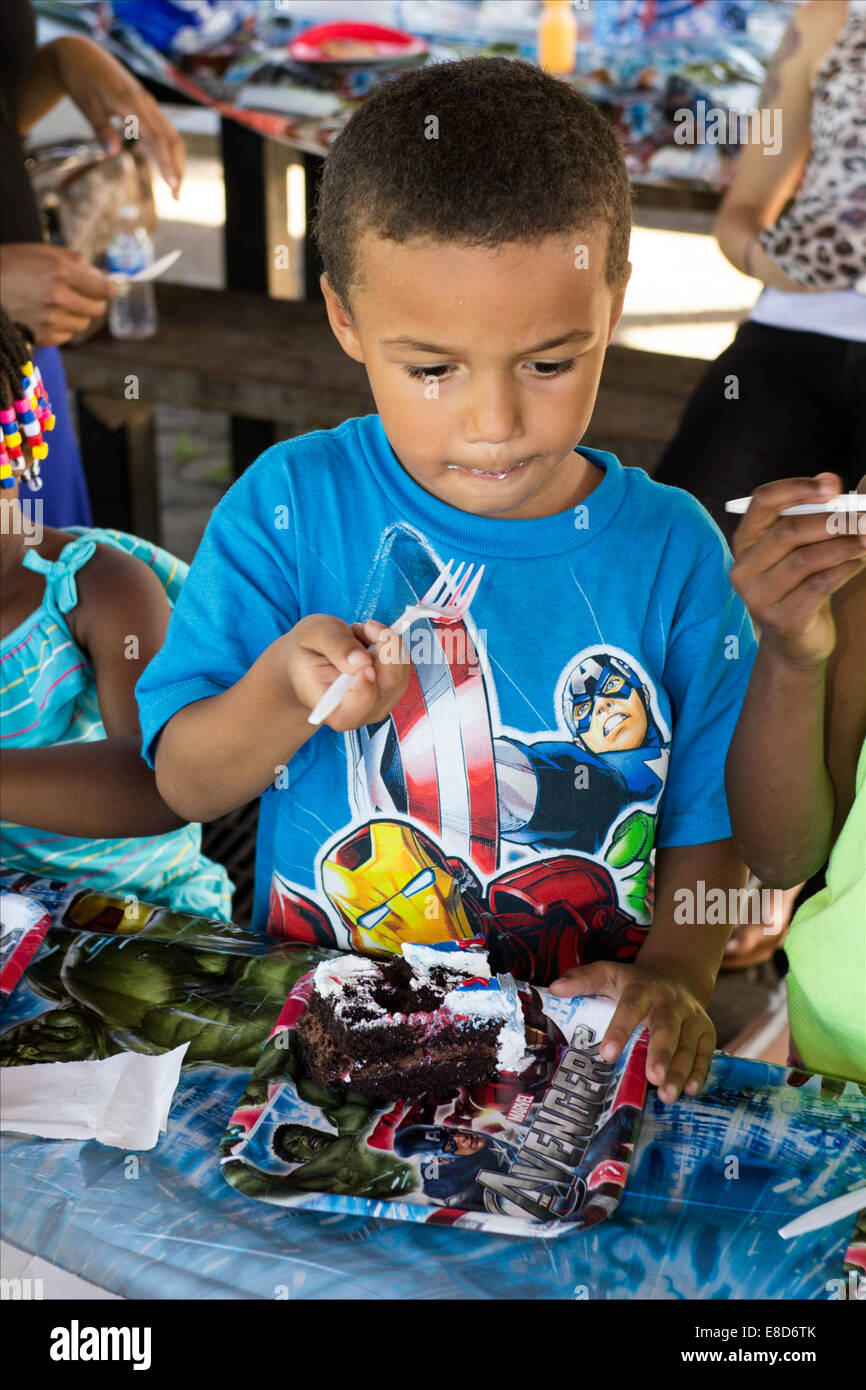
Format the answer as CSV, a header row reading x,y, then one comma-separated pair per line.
x,y
48,695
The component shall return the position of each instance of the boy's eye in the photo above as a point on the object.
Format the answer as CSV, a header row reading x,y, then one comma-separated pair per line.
x,y
539,369
422,373
553,368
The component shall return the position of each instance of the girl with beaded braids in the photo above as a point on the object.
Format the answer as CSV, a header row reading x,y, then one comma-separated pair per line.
x,y
82,612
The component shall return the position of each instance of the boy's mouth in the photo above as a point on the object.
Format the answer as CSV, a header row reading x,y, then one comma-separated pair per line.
x,y
481,473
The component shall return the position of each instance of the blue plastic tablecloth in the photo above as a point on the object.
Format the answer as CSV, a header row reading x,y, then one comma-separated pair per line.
x,y
713,1179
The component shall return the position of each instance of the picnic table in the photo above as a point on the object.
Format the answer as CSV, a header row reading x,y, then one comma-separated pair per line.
x,y
711,1180
246,125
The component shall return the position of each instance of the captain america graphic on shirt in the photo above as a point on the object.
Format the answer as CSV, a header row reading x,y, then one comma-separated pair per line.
x,y
445,758
568,795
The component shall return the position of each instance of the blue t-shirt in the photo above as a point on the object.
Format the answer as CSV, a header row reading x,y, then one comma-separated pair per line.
x,y
578,717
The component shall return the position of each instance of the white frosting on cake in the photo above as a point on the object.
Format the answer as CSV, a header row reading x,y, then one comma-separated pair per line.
x,y
501,1003
360,974
423,959
332,976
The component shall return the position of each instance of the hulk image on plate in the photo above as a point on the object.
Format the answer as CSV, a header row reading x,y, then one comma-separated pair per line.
x,y
342,1162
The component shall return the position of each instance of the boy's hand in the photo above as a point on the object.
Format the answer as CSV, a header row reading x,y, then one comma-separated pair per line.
x,y
786,568
320,647
682,1037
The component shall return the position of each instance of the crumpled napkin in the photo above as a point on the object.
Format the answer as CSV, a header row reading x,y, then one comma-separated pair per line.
x,y
122,1101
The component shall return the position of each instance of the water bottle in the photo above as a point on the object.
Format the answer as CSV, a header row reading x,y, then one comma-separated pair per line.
x,y
132,312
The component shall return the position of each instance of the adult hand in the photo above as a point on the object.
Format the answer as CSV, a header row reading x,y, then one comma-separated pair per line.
x,y
51,290
101,87
787,567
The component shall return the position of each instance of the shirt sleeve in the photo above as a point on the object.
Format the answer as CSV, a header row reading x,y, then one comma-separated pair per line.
x,y
708,663
240,595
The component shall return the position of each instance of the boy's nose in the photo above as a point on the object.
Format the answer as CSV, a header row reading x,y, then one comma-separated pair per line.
x,y
493,421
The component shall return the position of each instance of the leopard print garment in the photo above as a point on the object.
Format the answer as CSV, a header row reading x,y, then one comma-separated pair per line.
x,y
821,240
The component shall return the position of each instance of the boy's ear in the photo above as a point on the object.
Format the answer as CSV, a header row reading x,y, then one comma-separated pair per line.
x,y
341,321
617,305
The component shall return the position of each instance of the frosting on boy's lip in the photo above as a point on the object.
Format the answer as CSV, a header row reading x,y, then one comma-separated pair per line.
x,y
482,473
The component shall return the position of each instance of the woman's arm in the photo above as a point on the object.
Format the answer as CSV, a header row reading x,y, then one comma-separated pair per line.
x,y
41,89
763,182
102,89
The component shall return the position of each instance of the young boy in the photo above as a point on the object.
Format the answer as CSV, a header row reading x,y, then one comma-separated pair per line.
x,y
510,774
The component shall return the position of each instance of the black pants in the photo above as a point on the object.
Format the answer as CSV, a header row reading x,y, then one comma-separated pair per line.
x,y
797,407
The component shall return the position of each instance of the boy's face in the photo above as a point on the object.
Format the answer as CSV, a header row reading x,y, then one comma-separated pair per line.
x,y
505,348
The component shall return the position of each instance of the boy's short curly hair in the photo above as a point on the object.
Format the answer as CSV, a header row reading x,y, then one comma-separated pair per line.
x,y
518,156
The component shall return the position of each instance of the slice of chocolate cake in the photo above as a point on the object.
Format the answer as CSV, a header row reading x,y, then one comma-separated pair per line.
x,y
427,1021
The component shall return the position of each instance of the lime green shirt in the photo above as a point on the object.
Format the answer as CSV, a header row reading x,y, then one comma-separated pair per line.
x,y
826,948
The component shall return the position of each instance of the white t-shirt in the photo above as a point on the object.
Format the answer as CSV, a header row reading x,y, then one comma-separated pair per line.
x,y
837,313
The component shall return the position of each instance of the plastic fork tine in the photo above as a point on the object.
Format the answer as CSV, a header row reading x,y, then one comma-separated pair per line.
x,y
453,586
443,578
459,596
470,592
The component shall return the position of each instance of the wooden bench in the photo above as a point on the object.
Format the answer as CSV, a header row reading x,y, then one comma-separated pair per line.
x,y
277,365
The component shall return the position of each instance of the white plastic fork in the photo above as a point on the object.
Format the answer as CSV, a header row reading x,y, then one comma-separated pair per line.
x,y
447,600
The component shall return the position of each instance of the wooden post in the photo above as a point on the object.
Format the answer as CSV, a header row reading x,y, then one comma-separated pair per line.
x,y
118,449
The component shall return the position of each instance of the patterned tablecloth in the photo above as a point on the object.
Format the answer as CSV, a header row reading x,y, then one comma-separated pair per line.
x,y
712,1180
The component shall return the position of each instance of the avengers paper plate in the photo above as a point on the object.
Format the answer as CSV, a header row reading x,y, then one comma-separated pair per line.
x,y
541,1153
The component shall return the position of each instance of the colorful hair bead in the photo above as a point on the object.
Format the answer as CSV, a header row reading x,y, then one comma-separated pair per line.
x,y
24,423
